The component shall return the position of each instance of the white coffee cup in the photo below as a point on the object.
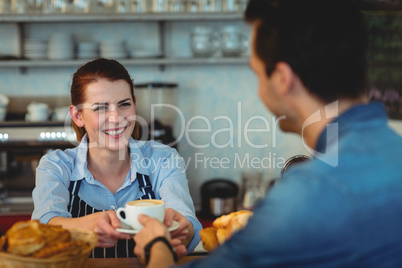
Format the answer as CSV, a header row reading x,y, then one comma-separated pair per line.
x,y
37,112
129,214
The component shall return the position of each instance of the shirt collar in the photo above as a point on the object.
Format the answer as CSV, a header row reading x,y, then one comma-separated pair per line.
x,y
352,118
81,171
138,162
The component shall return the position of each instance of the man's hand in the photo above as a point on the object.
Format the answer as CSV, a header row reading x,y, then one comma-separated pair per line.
x,y
152,229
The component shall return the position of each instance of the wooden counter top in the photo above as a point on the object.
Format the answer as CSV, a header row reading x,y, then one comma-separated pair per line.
x,y
127,262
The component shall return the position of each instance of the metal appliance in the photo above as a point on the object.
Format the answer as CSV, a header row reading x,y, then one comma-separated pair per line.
x,y
156,111
22,144
219,197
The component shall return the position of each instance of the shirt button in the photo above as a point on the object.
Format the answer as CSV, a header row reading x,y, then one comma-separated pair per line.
x,y
113,207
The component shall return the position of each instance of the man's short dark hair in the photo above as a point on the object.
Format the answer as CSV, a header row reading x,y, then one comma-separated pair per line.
x,y
324,42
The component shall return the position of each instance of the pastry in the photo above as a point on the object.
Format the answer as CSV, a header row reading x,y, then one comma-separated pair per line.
x,y
208,238
34,239
223,228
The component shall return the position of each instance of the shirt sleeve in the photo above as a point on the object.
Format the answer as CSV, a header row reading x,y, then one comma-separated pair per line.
x,y
51,195
300,223
175,192
249,247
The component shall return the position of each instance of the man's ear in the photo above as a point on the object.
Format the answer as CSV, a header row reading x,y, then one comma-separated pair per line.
x,y
284,77
76,116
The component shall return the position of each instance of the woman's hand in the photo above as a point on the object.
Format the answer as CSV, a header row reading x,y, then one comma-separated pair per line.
x,y
185,232
152,229
102,223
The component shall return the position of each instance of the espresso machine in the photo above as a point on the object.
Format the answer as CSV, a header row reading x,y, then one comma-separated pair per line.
x,y
156,111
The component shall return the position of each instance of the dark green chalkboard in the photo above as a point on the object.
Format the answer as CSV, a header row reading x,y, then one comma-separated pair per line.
x,y
385,60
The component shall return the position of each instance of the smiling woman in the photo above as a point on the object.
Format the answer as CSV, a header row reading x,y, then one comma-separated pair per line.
x,y
83,186
83,87
108,114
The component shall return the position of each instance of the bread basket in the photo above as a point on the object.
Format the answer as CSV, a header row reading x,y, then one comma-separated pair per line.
x,y
13,261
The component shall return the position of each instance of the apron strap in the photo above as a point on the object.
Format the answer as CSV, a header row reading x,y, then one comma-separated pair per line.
x,y
74,187
145,186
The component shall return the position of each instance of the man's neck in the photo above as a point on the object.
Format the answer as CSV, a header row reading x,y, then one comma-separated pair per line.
x,y
315,119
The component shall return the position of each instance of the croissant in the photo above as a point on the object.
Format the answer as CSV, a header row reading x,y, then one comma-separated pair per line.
x,y
34,239
223,228
209,238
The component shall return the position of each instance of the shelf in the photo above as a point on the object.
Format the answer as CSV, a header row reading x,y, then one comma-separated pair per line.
x,y
161,18
127,62
114,17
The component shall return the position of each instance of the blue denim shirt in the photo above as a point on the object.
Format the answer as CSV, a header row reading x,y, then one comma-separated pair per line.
x,y
323,215
161,163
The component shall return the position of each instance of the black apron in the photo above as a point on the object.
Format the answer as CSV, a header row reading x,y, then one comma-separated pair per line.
x,y
79,208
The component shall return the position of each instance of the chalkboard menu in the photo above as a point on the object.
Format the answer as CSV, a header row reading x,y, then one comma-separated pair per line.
x,y
385,60
379,4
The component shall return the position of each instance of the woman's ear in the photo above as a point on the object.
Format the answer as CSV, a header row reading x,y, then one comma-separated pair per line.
x,y
76,116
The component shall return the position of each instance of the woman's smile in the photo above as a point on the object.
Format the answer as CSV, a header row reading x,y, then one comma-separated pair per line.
x,y
115,133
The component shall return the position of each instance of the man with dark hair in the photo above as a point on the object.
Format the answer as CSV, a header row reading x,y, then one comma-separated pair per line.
x,y
343,208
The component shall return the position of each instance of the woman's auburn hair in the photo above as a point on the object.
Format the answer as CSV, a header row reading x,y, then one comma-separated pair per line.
x,y
91,72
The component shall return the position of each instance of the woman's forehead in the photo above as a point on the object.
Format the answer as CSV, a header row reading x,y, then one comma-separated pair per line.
x,y
107,91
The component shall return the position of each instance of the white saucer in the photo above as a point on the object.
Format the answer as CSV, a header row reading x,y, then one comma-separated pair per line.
x,y
174,226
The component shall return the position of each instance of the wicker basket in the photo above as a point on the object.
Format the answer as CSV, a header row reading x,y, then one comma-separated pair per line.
x,y
13,261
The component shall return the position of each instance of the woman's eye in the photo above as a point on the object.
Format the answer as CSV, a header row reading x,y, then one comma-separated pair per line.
x,y
100,108
125,104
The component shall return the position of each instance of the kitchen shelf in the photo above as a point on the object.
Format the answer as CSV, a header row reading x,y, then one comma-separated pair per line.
x,y
128,62
160,18
114,17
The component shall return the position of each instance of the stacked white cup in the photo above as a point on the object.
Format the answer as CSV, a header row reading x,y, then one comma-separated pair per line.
x,y
35,49
37,112
113,49
87,50
60,47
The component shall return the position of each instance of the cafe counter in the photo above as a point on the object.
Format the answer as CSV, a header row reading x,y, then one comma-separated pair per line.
x,y
129,262
199,252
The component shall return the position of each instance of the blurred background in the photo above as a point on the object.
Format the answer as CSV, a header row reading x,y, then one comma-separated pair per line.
x,y
189,54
